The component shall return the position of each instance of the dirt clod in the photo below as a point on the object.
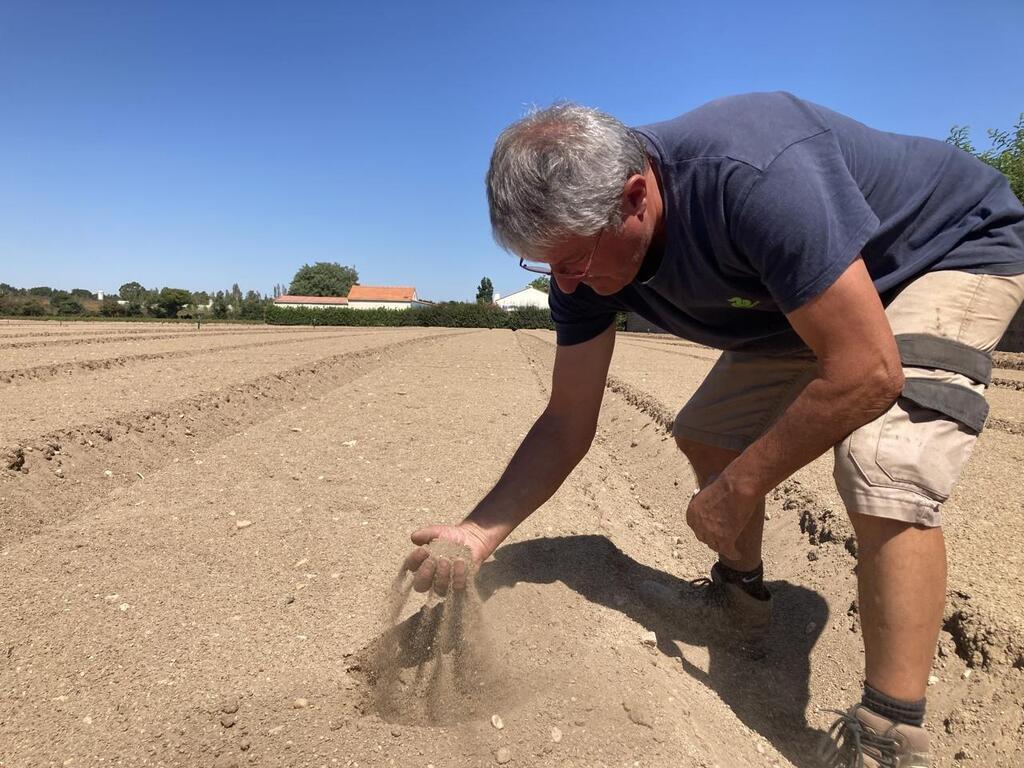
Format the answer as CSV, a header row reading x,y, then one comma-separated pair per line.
x,y
638,714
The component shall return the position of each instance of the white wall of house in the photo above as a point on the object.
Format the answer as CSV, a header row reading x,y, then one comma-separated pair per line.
x,y
527,297
308,306
379,304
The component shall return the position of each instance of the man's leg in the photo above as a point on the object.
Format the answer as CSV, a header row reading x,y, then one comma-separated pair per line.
x,y
901,580
708,461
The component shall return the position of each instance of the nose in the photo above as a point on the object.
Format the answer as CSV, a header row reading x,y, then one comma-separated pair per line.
x,y
567,284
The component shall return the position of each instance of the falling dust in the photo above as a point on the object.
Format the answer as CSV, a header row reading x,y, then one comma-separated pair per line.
x,y
436,667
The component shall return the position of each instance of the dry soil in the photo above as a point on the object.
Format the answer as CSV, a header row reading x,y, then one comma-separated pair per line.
x,y
200,532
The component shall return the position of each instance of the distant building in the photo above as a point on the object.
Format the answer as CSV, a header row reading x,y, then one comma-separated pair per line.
x,y
310,302
384,297
526,297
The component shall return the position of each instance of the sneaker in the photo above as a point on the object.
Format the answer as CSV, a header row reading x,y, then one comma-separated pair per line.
x,y
720,607
862,739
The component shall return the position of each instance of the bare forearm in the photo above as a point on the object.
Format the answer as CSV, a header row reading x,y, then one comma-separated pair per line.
x,y
821,416
544,459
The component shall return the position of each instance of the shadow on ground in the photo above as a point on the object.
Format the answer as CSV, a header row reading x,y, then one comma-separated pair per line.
x,y
769,695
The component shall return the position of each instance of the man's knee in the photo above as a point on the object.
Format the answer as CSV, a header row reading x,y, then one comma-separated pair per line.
x,y
706,459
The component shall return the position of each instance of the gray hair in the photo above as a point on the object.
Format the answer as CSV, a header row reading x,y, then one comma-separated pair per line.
x,y
559,172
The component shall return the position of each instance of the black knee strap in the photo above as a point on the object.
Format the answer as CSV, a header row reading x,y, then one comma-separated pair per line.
x,y
920,350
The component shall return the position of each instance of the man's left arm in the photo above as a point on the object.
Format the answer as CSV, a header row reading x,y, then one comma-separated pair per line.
x,y
859,377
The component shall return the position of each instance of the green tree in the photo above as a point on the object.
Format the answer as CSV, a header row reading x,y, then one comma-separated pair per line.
x,y
132,292
33,309
110,308
82,293
323,279
1006,154
200,297
171,300
485,292
542,283
42,290
220,305
67,306
253,306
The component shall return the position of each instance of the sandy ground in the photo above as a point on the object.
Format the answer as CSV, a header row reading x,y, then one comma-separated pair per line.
x,y
198,539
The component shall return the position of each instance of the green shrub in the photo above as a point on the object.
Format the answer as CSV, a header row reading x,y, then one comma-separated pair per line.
x,y
67,306
446,315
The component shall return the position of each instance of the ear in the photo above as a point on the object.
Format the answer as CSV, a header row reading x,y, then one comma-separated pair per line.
x,y
634,195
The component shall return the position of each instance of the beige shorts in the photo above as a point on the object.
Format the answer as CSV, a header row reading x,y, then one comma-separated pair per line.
x,y
902,465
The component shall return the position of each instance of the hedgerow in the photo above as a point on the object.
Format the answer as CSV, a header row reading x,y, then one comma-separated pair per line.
x,y
446,315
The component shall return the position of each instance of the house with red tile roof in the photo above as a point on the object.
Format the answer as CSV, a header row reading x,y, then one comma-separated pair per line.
x,y
384,297
310,302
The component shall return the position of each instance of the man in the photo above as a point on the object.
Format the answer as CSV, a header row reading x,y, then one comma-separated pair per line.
x,y
857,281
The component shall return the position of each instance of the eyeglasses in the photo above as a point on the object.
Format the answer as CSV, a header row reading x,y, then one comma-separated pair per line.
x,y
546,269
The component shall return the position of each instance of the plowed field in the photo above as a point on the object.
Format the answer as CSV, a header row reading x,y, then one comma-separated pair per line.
x,y
199,530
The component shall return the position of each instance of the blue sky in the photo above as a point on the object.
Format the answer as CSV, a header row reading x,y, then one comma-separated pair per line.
x,y
197,144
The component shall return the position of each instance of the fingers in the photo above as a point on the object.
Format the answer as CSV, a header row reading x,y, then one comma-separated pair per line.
x,y
430,572
439,574
424,577
415,559
459,573
442,574
426,535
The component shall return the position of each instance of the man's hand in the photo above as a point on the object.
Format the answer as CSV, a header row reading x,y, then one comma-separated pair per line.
x,y
718,514
441,572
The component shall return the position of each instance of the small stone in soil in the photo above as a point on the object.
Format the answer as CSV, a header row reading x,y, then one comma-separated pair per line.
x,y
300,704
243,523
503,755
227,720
497,722
556,735
230,706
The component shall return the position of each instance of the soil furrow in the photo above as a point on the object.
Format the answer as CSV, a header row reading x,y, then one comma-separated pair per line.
x,y
54,476
1008,383
69,368
1013,361
139,329
199,335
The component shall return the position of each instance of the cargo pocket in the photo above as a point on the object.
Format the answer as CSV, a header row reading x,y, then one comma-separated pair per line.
x,y
922,443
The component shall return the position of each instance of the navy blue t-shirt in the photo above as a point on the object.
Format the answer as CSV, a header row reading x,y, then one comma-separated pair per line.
x,y
769,198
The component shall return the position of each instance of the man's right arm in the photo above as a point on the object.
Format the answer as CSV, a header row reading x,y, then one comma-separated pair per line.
x,y
556,443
